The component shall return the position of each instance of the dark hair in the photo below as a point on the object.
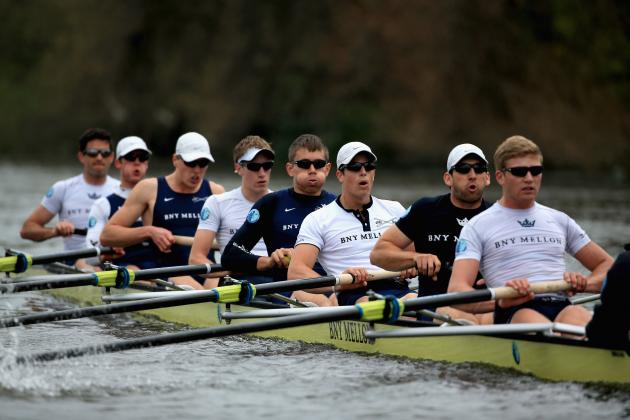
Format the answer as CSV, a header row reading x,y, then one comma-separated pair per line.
x,y
310,142
94,134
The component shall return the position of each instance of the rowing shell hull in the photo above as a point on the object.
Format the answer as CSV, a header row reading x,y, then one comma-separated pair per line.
x,y
554,359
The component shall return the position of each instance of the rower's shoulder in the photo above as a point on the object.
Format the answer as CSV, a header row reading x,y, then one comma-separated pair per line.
x,y
216,188
391,205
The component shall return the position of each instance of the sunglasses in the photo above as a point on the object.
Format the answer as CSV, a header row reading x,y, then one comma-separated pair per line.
x,y
201,163
356,166
255,166
521,171
306,163
133,156
464,168
95,152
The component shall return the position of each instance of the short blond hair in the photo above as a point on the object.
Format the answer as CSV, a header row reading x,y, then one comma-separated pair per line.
x,y
247,143
513,147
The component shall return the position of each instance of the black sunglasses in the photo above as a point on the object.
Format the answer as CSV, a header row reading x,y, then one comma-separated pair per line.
x,y
464,168
95,152
521,171
306,163
255,166
356,166
133,156
202,163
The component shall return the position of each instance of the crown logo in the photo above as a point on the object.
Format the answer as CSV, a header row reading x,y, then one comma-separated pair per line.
x,y
94,196
526,223
462,222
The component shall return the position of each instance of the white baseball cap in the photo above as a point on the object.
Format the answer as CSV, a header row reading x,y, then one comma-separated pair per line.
x,y
251,153
192,146
349,150
129,144
461,151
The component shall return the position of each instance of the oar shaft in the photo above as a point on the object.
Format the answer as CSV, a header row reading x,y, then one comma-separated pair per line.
x,y
45,284
344,312
69,255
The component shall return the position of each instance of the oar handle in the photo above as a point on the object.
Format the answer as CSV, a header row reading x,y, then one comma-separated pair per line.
x,y
188,241
346,278
537,288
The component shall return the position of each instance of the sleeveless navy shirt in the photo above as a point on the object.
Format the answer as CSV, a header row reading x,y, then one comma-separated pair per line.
x,y
179,213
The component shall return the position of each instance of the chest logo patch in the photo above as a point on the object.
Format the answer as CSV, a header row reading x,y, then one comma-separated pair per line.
x,y
526,223
94,196
462,222
253,216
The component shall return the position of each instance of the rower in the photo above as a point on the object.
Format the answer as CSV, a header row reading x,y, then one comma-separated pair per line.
x,y
610,325
168,205
72,198
518,241
132,160
223,214
276,217
341,235
433,224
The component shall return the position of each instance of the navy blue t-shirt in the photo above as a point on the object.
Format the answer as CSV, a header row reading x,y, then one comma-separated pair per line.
x,y
434,225
276,218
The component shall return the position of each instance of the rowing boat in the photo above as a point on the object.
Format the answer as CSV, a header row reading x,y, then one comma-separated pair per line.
x,y
551,358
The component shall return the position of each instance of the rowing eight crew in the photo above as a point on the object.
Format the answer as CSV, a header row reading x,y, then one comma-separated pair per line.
x,y
342,234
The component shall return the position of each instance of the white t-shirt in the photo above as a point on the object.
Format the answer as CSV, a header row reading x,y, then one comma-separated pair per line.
x,y
71,199
99,215
224,214
342,238
514,243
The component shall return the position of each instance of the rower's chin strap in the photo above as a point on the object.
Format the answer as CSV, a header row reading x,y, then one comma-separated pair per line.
x,y
17,263
389,309
120,278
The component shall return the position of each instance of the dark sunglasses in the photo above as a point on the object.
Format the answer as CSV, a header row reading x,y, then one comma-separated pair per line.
x,y
464,168
306,163
255,166
95,152
521,171
356,166
133,156
201,163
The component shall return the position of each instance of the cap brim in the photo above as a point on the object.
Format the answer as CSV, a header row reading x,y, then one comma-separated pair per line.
x,y
193,156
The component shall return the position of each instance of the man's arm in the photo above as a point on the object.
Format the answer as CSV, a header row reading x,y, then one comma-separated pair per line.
x,y
598,261
118,231
34,226
462,279
394,251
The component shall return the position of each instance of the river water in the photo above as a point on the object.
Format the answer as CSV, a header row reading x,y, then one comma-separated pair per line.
x,y
244,377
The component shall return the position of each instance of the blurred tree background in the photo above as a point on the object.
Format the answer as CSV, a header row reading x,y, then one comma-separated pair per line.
x,y
411,77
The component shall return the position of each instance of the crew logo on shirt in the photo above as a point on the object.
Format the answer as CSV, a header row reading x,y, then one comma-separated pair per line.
x,y
380,222
253,216
92,222
94,196
526,223
461,246
50,192
198,199
462,222
205,213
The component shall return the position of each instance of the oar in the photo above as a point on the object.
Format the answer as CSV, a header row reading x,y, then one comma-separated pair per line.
x,y
18,262
227,294
378,310
120,278
527,328
188,241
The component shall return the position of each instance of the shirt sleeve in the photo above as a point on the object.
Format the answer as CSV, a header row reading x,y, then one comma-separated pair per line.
x,y
469,246
53,199
210,215
237,254
408,221
576,237
97,219
310,232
